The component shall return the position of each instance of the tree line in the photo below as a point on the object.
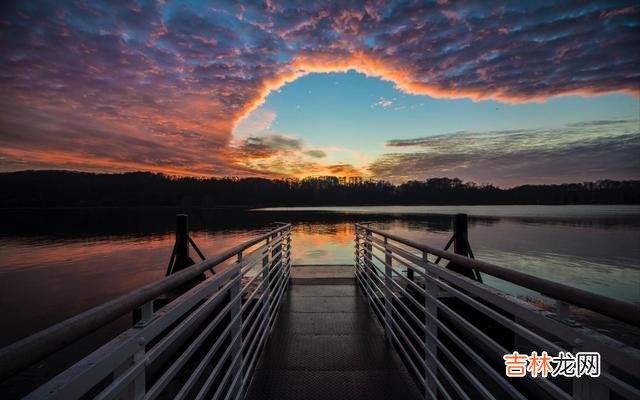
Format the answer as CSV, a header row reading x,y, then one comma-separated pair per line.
x,y
144,189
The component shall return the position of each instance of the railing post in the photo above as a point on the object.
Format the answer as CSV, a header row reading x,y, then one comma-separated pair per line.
x,y
359,254
289,247
235,296
367,253
136,389
410,275
586,387
431,329
562,310
356,259
266,268
388,276
146,314
139,384
274,250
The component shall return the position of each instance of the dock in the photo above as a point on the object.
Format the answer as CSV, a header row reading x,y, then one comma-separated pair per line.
x,y
406,320
322,274
326,345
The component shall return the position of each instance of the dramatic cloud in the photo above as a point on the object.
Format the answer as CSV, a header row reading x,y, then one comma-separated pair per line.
x,y
279,155
566,154
267,146
343,170
160,86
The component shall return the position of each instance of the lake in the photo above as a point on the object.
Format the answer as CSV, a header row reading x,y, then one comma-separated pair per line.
x,y
57,263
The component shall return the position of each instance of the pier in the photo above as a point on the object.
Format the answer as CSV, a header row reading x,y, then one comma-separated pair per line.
x,y
325,345
405,321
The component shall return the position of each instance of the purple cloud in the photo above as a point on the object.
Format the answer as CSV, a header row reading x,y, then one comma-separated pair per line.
x,y
155,85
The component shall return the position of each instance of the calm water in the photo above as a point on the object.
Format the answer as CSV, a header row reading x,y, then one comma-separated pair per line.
x,y
55,264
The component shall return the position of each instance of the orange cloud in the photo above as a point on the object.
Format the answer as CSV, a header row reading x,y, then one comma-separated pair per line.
x,y
403,78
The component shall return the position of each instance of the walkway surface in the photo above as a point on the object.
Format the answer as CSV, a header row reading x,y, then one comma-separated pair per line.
x,y
326,345
311,274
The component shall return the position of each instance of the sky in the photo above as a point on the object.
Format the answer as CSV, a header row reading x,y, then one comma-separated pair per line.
x,y
492,92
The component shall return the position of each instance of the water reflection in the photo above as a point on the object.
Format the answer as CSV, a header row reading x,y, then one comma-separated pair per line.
x,y
322,243
54,264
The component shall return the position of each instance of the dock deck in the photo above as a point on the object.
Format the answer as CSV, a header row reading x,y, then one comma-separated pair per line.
x,y
326,344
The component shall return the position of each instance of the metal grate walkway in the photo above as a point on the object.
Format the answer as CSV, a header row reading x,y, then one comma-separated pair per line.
x,y
326,345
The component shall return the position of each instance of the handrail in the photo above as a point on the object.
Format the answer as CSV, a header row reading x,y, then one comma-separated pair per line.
x,y
34,348
419,313
621,310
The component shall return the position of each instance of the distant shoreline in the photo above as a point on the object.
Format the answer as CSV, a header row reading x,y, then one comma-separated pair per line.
x,y
66,190
305,207
292,208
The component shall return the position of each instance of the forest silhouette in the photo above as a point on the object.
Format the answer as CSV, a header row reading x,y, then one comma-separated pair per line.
x,y
144,189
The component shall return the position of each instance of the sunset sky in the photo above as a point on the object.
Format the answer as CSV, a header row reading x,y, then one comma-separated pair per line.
x,y
492,92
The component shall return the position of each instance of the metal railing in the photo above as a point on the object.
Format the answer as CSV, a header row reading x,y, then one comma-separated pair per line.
x,y
452,331
203,343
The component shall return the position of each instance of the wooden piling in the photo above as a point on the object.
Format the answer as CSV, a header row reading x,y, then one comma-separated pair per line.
x,y
461,234
461,245
183,259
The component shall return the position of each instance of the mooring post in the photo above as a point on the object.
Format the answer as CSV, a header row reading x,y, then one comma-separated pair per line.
x,y
461,233
182,237
461,245
182,258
